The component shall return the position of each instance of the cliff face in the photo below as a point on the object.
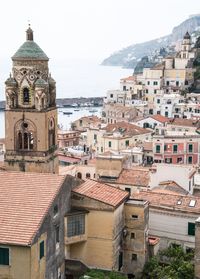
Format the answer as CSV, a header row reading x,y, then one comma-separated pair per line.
x,y
129,56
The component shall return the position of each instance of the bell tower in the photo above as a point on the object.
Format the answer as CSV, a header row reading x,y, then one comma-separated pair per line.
x,y
31,115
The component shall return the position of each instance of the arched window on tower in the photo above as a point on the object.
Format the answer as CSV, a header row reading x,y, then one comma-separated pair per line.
x,y
52,135
25,136
26,95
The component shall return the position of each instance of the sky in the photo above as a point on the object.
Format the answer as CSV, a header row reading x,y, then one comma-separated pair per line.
x,y
89,29
84,30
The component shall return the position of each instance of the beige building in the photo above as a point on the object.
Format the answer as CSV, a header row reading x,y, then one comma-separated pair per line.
x,y
85,122
31,115
67,138
32,209
116,137
106,223
113,113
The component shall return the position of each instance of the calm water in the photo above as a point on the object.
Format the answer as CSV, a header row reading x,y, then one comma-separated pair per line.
x,y
79,79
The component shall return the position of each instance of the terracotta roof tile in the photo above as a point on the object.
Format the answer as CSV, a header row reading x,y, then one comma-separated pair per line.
x,y
126,129
24,202
101,192
160,118
135,177
185,122
169,200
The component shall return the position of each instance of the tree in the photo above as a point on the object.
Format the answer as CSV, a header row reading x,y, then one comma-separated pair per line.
x,y
171,263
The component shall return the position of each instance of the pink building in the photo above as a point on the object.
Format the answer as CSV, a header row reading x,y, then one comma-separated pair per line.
x,y
176,149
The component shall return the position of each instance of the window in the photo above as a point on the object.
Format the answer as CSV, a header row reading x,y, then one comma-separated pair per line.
x,y
132,235
175,148
109,144
134,257
157,148
124,87
4,256
155,83
190,148
79,175
155,91
111,95
127,143
158,101
75,225
177,83
81,122
25,135
167,83
190,160
134,216
165,147
101,149
166,113
26,95
147,91
41,249
179,159
95,137
88,175
191,229
168,160
51,132
148,82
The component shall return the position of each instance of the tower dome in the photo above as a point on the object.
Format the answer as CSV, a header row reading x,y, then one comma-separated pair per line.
x,y
29,50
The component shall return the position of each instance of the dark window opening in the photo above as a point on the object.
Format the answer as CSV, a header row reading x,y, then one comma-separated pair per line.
x,y
75,225
41,250
191,229
4,256
26,96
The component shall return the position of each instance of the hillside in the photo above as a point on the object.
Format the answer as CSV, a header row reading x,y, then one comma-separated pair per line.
x,y
129,56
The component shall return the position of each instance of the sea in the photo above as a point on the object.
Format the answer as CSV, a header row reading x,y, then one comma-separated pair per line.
x,y
80,79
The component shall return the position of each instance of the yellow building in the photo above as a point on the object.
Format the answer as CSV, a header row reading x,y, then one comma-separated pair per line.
x,y
31,115
32,209
96,229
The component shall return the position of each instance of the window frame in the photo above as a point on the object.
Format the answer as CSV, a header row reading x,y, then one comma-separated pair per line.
x,y
7,256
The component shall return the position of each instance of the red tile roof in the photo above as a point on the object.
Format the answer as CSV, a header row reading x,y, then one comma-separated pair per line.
x,y
24,201
134,177
126,129
185,122
101,192
169,200
160,118
130,78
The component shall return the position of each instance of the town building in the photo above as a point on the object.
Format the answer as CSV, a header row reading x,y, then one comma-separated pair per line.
x,y
169,210
152,121
110,231
33,206
116,137
67,138
113,113
174,145
31,114
85,122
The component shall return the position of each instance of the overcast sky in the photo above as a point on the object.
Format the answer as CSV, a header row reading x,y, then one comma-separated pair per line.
x,y
88,29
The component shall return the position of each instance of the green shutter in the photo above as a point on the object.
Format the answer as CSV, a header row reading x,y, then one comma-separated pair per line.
x,y
41,249
191,229
4,256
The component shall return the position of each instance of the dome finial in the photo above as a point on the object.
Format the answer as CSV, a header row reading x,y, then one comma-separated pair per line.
x,y
29,32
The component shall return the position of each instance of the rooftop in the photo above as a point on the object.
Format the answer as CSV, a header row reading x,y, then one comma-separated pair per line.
x,y
101,192
185,122
179,202
126,129
137,177
23,205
